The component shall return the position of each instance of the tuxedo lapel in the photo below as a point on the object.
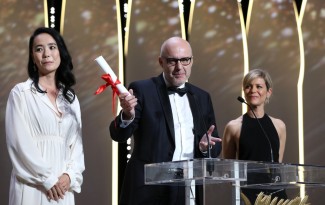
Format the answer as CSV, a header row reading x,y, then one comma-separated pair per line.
x,y
165,104
196,117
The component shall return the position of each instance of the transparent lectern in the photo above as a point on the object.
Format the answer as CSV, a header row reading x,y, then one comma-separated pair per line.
x,y
241,174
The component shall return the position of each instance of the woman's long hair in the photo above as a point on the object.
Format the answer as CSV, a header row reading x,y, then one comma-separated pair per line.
x,y
64,78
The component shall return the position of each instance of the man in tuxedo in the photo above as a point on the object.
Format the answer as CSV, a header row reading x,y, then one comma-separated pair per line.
x,y
169,119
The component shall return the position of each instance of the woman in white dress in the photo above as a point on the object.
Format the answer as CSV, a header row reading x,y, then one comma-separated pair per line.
x,y
43,127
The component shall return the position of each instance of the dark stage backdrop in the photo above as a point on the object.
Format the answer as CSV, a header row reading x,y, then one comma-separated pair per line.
x,y
228,38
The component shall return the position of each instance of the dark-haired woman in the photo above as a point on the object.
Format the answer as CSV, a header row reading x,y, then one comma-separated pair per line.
x,y
43,127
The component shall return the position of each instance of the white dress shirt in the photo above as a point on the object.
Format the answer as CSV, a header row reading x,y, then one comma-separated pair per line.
x,y
183,126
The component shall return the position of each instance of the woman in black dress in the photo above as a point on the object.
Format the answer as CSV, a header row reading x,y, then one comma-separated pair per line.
x,y
244,139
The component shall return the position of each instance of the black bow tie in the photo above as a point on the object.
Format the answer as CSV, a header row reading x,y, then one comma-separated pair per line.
x,y
180,91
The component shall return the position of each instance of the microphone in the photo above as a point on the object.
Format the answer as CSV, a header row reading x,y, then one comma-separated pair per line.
x,y
240,99
210,164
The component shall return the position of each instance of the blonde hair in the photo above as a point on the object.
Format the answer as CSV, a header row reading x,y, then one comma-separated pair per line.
x,y
258,73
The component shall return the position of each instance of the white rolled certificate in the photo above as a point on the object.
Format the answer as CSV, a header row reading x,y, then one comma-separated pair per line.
x,y
107,69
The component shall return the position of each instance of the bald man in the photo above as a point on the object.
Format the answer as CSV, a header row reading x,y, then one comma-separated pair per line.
x,y
169,119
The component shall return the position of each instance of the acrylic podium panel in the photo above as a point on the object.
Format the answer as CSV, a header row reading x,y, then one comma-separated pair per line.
x,y
203,171
248,174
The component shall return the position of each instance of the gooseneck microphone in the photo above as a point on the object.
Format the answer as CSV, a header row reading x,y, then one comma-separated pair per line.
x,y
210,164
240,99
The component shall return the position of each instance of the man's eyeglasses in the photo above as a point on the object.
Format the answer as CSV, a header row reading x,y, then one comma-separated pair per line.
x,y
184,61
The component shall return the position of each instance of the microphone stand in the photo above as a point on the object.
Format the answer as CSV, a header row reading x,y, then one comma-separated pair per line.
x,y
274,175
240,99
210,164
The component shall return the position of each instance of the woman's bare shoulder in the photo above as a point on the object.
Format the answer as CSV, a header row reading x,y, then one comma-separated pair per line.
x,y
278,123
234,125
235,122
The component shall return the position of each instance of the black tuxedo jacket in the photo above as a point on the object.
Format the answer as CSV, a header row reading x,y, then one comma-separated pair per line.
x,y
153,132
